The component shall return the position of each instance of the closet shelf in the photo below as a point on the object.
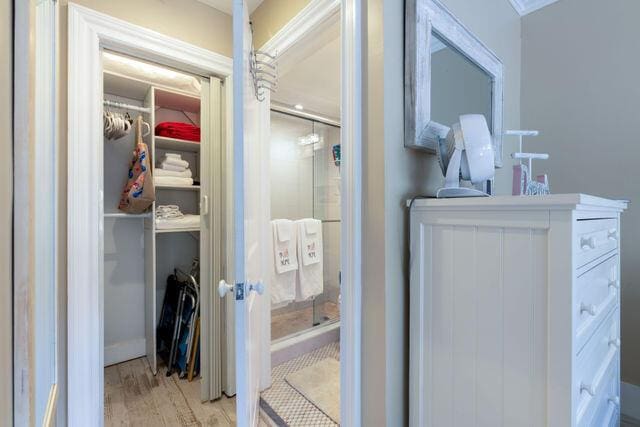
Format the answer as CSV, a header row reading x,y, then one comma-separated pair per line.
x,y
178,187
166,143
177,230
126,215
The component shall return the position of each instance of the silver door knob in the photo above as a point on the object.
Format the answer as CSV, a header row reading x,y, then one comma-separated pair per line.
x,y
224,288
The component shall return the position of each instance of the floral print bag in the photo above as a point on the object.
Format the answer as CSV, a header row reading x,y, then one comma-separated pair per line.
x,y
139,193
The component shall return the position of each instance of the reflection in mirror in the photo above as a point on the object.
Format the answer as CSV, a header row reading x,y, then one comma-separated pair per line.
x,y
458,85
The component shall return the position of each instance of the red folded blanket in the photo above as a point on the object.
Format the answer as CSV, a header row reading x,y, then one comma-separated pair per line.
x,y
178,130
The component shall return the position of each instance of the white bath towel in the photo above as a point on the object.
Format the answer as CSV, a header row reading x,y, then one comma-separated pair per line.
x,y
171,167
186,221
164,172
172,181
310,272
168,212
174,155
175,162
285,262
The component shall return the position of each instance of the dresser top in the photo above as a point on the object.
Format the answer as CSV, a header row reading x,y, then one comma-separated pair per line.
x,y
552,201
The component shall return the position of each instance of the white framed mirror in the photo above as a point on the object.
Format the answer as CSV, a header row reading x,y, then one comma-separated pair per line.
x,y
448,72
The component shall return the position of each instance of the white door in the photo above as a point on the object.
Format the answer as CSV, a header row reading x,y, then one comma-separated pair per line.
x,y
251,206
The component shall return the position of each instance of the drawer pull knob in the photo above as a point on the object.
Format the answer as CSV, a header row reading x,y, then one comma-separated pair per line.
x,y
589,389
589,308
614,342
614,284
588,242
615,400
613,234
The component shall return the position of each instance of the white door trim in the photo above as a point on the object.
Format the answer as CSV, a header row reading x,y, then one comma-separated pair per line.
x,y
89,31
314,14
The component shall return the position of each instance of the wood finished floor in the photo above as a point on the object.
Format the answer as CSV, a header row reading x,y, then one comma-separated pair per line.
x,y
133,396
284,324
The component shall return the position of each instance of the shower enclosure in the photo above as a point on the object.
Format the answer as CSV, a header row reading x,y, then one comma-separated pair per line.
x,y
305,183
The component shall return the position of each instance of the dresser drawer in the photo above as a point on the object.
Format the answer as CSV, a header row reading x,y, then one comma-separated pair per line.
x,y
597,292
594,238
593,365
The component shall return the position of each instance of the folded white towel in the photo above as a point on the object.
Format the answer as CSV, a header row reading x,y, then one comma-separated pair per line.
x,y
175,162
165,172
168,211
285,266
173,181
187,221
311,269
174,155
171,167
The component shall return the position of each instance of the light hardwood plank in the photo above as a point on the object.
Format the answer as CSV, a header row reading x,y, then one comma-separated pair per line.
x,y
136,397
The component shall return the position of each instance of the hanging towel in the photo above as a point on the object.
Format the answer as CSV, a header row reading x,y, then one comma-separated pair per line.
x,y
285,265
164,172
311,270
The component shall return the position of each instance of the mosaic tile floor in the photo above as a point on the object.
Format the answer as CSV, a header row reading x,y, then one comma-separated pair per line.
x,y
284,404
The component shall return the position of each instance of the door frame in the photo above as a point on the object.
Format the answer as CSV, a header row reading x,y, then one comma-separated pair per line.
x,y
314,14
89,32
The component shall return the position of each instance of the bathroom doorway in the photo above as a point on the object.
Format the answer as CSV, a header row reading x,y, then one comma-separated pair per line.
x,y
305,181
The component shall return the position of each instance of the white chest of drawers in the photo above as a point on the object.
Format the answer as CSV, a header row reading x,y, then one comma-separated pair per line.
x,y
515,312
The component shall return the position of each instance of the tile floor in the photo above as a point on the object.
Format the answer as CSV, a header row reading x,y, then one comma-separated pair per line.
x,y
284,404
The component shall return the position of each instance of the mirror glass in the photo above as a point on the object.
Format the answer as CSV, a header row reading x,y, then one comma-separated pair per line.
x,y
458,85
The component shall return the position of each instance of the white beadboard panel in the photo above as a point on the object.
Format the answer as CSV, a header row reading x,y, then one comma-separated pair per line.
x,y
517,276
539,353
490,340
441,324
464,314
478,360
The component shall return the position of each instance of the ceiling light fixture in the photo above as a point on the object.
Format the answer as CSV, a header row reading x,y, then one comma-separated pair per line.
x,y
298,107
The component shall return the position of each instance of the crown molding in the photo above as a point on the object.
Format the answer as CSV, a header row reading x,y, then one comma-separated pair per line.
x,y
524,7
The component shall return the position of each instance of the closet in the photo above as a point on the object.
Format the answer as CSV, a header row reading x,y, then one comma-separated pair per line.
x,y
142,250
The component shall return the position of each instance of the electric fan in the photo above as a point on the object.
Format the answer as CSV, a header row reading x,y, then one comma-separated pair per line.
x,y
466,153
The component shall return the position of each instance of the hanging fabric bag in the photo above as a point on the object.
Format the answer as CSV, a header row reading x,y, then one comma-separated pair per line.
x,y
138,194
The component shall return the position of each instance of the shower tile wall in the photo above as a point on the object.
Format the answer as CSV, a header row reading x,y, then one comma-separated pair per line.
x,y
305,182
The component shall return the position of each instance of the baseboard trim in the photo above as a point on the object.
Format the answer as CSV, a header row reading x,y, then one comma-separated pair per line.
x,y
630,398
292,347
124,350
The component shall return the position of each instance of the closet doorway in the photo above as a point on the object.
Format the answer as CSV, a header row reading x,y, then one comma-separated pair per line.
x,y
90,33
146,269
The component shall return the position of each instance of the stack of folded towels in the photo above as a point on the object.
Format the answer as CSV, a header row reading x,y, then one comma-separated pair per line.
x,y
169,217
173,171
179,130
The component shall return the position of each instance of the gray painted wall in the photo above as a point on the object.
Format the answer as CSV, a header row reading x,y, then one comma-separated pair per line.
x,y
393,174
6,199
580,88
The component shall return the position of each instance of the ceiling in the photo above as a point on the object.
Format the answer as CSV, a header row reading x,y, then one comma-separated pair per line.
x,y
309,72
226,6
524,7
